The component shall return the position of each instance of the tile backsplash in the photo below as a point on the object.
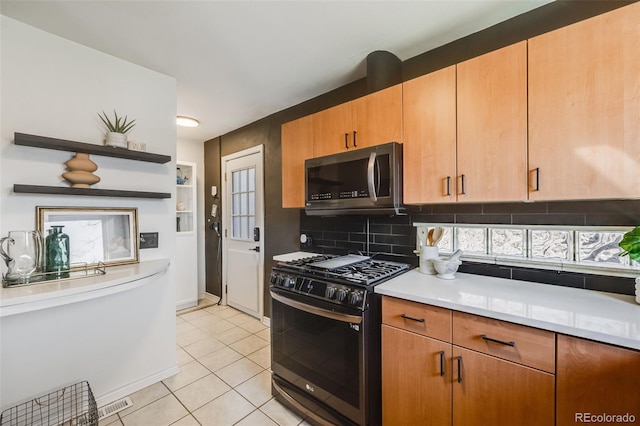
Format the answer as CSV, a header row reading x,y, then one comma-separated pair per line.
x,y
394,238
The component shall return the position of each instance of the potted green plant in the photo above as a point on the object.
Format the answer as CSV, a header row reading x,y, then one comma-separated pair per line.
x,y
117,129
630,243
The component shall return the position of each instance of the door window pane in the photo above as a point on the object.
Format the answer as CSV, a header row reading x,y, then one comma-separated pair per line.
x,y
243,203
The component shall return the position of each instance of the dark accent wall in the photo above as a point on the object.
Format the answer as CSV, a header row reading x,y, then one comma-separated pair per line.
x,y
394,238
284,225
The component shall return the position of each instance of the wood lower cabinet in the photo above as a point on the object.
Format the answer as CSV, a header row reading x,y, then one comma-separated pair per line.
x,y
416,378
466,387
490,391
297,146
429,146
492,126
596,379
584,109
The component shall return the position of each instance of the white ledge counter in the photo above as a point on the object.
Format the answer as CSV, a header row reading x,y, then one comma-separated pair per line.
x,y
603,317
117,331
21,299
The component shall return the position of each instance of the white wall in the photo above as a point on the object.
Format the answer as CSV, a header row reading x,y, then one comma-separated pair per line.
x,y
53,87
193,151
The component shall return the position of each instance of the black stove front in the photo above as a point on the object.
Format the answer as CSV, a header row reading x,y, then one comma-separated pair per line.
x,y
325,337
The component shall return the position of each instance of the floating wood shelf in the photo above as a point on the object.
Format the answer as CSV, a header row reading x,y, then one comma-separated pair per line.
x,y
59,190
87,148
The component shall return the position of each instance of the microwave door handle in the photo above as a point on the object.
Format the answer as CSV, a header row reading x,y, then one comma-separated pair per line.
x,y
370,175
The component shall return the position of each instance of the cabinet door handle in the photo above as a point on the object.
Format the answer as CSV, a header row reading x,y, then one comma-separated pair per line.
x,y
441,363
355,143
459,369
502,342
411,318
537,179
346,140
448,186
462,185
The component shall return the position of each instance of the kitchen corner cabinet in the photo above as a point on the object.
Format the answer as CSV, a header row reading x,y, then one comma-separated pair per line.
x,y
595,378
492,126
438,369
429,145
367,121
297,146
584,109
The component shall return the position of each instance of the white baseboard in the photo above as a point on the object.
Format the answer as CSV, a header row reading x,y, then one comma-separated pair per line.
x,y
102,400
266,321
210,296
186,304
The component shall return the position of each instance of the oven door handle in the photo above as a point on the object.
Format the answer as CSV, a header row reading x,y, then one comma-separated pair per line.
x,y
353,319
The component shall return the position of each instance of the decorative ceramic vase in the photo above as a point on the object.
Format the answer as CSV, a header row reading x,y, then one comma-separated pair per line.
x,y
118,140
80,171
57,253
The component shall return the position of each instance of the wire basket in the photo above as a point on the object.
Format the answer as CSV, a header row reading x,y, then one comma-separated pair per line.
x,y
70,406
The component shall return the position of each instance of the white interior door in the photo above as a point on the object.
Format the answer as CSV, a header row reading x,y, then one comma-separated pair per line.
x,y
243,221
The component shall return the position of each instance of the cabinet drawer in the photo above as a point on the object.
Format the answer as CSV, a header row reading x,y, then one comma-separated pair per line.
x,y
417,317
524,345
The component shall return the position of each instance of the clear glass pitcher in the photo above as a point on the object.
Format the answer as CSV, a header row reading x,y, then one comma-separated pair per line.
x,y
22,253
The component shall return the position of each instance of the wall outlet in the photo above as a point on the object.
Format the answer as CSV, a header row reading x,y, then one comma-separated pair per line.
x,y
148,240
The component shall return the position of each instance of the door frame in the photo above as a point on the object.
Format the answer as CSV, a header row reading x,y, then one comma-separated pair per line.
x,y
258,149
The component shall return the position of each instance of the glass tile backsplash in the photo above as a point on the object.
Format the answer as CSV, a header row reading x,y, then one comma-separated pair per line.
x,y
549,239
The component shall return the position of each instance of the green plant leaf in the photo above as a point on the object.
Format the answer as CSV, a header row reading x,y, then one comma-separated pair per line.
x,y
119,125
631,244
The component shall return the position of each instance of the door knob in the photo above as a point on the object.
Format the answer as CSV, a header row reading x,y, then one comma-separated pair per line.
x,y
256,248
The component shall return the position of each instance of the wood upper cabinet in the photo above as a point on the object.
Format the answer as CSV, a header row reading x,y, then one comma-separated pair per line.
x,y
584,108
370,120
429,145
297,146
595,378
492,126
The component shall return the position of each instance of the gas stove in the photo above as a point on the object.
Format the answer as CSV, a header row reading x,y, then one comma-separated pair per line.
x,y
341,280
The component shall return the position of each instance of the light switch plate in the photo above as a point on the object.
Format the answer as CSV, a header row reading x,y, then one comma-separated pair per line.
x,y
148,240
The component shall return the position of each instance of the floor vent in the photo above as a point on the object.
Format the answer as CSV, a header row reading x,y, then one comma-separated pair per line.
x,y
114,407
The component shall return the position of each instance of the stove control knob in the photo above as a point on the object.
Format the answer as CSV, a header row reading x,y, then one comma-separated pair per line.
x,y
355,297
331,292
273,279
288,282
342,294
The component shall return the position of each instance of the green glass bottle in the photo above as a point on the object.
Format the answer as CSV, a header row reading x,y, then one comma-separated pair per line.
x,y
57,253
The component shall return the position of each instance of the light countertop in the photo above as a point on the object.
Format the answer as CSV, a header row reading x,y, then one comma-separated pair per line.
x,y
604,317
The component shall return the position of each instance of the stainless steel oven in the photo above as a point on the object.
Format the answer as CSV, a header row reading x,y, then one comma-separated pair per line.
x,y
325,338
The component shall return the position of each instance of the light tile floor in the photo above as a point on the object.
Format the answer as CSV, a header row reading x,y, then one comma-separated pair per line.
x,y
224,378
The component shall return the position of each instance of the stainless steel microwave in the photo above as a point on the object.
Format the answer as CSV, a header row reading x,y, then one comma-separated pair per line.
x,y
363,181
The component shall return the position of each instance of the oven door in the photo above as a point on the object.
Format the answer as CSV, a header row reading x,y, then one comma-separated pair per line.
x,y
319,353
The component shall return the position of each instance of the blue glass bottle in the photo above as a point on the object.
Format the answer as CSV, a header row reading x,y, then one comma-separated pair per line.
x,y
57,253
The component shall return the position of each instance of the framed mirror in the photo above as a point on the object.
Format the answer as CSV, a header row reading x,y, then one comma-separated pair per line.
x,y
107,235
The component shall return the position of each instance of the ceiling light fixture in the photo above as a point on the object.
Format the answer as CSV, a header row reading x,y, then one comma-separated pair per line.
x,y
186,121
